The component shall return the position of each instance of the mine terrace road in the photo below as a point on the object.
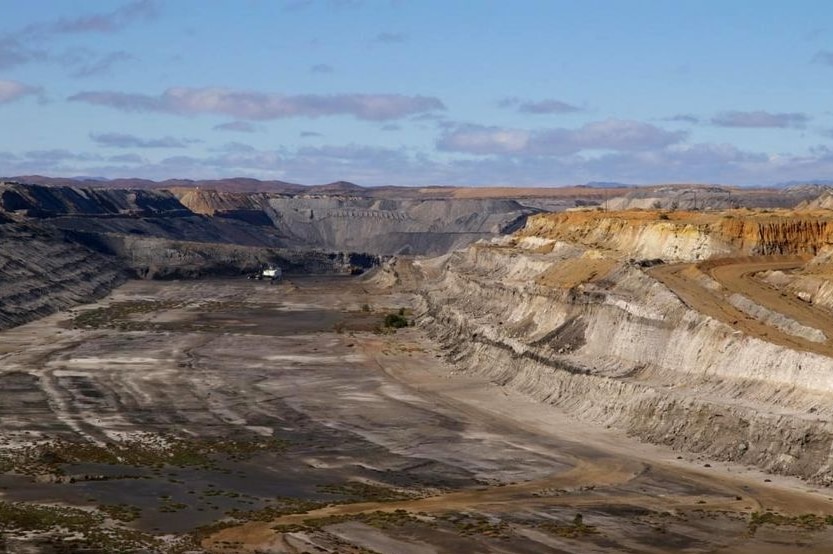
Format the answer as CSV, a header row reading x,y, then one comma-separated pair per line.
x,y
737,276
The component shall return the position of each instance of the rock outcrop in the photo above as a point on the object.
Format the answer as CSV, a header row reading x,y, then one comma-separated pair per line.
x,y
606,342
684,236
65,245
42,271
365,224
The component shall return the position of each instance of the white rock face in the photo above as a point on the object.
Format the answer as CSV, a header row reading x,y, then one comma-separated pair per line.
x,y
626,352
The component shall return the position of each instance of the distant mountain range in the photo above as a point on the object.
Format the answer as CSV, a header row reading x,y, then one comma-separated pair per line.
x,y
812,182
236,184
607,185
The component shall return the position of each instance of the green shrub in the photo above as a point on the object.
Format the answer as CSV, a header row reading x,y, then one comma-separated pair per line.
x,y
395,321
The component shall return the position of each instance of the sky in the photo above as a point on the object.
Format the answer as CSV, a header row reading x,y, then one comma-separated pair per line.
x,y
419,92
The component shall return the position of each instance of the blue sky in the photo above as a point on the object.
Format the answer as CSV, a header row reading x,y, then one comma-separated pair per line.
x,y
419,92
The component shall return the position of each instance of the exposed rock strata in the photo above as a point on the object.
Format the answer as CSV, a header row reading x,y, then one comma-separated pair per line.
x,y
41,272
365,224
624,351
688,235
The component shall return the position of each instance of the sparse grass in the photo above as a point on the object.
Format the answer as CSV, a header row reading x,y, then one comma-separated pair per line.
x,y
121,512
282,506
476,524
573,530
379,519
810,522
156,452
77,530
118,315
171,507
365,492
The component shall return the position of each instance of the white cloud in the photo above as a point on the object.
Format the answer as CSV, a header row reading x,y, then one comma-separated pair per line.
x,y
547,106
264,106
123,140
14,90
610,134
760,119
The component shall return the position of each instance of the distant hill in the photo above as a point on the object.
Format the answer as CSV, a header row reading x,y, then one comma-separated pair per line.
x,y
811,182
606,185
339,187
235,184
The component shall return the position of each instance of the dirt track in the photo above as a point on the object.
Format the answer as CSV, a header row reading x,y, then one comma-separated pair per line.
x,y
628,475
737,276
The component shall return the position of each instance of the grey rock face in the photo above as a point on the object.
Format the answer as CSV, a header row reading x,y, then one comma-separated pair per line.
x,y
627,353
42,272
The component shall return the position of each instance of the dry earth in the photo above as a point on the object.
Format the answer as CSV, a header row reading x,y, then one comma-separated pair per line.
x,y
277,411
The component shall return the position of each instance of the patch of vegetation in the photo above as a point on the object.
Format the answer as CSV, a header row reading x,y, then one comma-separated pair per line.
x,y
282,506
809,522
157,451
121,512
574,530
77,530
119,315
170,507
396,320
18,516
365,492
476,524
379,519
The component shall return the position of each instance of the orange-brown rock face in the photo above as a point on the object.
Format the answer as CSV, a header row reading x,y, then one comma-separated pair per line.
x,y
689,235
209,202
783,235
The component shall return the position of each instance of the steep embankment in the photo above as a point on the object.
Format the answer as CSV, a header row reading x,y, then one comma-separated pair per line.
x,y
688,236
139,213
42,272
343,222
712,197
61,246
41,201
595,334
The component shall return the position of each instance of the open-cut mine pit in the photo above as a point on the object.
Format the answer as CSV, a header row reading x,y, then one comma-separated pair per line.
x,y
585,381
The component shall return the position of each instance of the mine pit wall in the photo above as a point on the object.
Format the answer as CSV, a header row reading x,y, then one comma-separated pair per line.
x,y
42,272
160,258
789,236
686,240
630,355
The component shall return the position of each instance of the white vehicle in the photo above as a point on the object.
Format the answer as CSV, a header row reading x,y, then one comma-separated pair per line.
x,y
273,273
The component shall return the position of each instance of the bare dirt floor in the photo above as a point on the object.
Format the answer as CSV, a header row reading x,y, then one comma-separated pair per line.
x,y
238,416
